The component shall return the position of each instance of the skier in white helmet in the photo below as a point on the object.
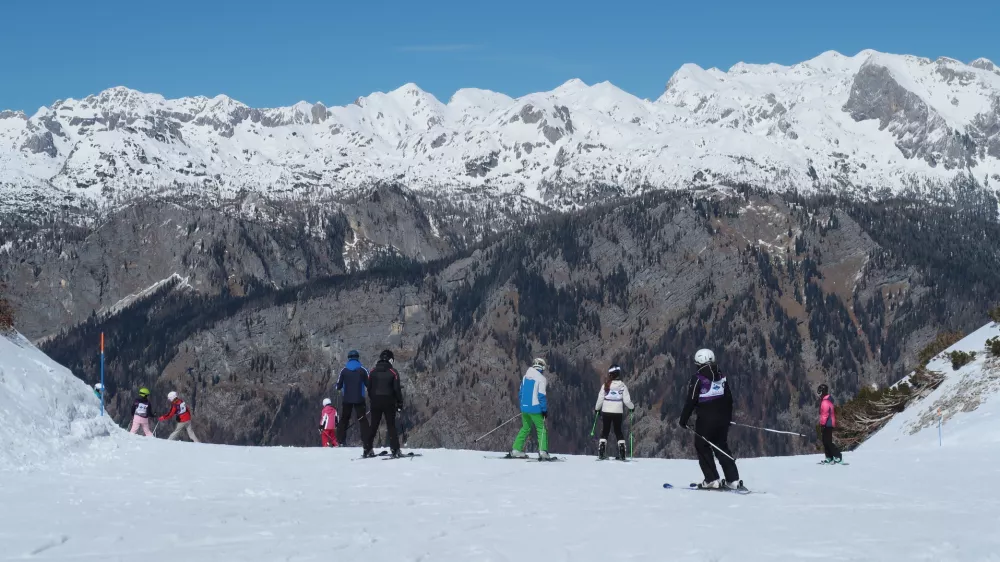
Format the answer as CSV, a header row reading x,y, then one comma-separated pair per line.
x,y
709,394
534,410
328,424
180,411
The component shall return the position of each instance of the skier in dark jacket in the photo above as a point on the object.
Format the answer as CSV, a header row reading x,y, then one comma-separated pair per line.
x,y
386,397
710,395
352,383
141,412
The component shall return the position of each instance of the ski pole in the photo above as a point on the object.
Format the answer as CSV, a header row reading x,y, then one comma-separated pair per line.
x,y
769,430
498,427
593,429
631,441
714,446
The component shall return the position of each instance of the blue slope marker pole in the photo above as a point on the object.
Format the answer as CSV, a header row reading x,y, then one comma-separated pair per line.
x,y
103,389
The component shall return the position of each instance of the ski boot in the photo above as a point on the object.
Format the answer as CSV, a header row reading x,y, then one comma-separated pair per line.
x,y
602,450
515,454
621,450
736,486
369,453
544,456
827,461
838,460
396,453
713,485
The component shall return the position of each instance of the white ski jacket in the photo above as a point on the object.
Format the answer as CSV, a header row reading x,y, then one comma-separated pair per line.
x,y
611,401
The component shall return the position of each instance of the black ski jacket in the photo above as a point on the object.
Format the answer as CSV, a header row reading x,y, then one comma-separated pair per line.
x,y
146,411
714,407
383,383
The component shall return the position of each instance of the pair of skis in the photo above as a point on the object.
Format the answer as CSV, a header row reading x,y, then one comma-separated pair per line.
x,y
508,456
694,486
384,455
626,459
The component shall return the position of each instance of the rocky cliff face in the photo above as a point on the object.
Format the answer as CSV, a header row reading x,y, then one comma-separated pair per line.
x,y
789,292
58,272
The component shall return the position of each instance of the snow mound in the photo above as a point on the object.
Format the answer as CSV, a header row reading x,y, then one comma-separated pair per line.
x,y
967,403
44,409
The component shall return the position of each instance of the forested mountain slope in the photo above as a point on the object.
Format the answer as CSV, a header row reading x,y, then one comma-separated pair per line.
x,y
789,291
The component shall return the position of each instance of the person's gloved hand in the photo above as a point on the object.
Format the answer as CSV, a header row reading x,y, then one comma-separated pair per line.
x,y
545,415
682,424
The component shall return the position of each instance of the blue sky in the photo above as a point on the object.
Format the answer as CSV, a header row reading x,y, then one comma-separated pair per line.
x,y
277,53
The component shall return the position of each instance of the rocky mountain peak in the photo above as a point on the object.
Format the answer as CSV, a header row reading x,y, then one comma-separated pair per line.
x,y
800,127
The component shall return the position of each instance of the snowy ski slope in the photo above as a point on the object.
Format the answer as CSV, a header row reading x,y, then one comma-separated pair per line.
x,y
973,388
121,497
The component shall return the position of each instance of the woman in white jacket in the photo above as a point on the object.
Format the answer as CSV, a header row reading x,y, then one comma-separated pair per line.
x,y
612,400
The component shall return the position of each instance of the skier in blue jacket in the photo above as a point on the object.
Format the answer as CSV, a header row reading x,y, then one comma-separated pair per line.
x,y
534,410
351,383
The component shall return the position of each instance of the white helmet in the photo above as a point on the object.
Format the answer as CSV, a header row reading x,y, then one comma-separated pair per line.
x,y
327,402
704,356
98,386
171,396
539,364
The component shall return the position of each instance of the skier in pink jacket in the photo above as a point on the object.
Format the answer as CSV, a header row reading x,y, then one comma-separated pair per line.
x,y
828,421
328,424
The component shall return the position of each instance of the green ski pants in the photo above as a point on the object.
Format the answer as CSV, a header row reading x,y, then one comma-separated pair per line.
x,y
526,421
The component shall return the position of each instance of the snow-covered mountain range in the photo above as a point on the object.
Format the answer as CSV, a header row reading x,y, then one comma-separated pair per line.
x,y
868,122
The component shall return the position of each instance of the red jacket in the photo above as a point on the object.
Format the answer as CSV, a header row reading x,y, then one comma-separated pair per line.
x,y
827,417
177,408
329,419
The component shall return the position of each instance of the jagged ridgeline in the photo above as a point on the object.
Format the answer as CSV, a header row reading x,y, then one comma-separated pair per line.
x,y
790,291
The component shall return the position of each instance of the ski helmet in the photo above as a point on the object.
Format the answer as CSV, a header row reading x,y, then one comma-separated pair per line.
x,y
353,354
539,364
144,392
327,402
386,355
615,372
171,396
704,357
98,386
823,390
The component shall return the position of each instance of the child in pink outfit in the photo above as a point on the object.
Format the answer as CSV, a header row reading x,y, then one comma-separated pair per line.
x,y
328,424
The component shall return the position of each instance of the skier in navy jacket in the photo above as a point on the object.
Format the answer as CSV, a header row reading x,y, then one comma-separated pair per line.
x,y
709,394
351,383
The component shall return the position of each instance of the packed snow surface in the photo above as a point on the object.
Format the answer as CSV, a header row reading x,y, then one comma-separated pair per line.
x,y
123,497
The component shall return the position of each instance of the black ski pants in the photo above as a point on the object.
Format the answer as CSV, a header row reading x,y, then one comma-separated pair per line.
x,y
345,420
609,421
382,407
831,450
718,434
